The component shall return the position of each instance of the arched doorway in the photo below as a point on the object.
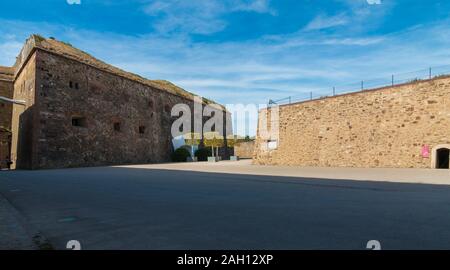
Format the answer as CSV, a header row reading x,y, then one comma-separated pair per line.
x,y
442,158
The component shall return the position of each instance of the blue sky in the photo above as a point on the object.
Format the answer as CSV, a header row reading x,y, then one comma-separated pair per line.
x,y
242,51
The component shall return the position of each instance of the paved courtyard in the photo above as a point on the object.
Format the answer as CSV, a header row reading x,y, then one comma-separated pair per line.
x,y
232,205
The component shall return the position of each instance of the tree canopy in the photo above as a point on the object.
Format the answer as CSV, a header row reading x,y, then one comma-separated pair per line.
x,y
213,139
192,138
232,140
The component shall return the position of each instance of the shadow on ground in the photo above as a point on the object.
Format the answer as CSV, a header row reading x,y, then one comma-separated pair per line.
x,y
125,208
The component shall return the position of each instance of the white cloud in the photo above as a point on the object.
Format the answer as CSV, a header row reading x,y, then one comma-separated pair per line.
x,y
359,17
254,70
259,6
374,2
9,49
324,22
187,16
283,65
199,16
74,2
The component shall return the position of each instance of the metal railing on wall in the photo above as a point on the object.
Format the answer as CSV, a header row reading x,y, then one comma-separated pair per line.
x,y
393,80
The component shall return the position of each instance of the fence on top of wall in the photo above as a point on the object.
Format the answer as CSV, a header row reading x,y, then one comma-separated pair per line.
x,y
393,80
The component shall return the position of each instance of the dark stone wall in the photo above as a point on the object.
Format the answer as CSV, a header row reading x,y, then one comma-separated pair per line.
x,y
100,101
6,90
24,118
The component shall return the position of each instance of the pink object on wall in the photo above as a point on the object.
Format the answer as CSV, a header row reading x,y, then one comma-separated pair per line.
x,y
426,151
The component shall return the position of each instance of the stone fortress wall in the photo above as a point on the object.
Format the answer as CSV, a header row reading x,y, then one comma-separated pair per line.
x,y
392,127
245,150
82,112
6,90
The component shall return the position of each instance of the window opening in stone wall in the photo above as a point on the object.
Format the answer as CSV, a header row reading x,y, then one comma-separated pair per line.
x,y
117,126
78,121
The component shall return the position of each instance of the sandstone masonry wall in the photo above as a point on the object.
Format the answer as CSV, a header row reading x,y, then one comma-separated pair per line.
x,y
244,149
377,128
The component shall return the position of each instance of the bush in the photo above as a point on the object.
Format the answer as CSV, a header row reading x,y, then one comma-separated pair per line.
x,y
202,154
180,155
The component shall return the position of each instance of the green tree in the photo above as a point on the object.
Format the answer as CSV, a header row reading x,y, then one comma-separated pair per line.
x,y
180,155
213,139
232,140
192,139
202,154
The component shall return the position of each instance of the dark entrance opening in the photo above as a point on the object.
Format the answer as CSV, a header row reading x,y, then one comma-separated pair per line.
x,y
442,156
5,148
